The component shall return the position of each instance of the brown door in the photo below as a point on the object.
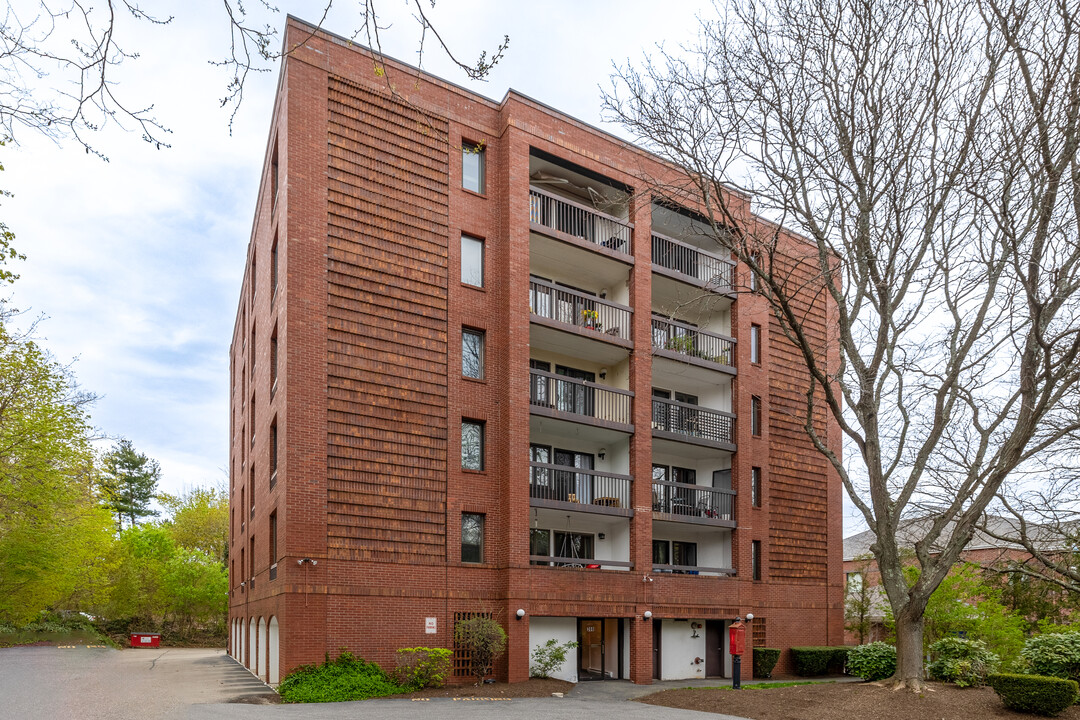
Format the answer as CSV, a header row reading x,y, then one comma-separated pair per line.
x,y
656,649
714,648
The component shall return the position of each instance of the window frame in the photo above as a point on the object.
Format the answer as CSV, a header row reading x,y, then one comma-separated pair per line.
x,y
481,336
483,257
755,415
755,344
755,487
755,560
480,425
480,519
273,452
475,150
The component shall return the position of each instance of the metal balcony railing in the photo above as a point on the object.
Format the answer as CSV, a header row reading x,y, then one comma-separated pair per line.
x,y
683,339
692,570
693,421
579,309
695,265
580,397
693,501
579,221
578,485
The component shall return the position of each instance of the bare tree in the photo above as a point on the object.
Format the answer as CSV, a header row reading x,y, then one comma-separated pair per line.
x,y
59,61
927,154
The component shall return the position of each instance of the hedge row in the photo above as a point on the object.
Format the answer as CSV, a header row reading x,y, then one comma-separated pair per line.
x,y
1034,693
819,660
764,661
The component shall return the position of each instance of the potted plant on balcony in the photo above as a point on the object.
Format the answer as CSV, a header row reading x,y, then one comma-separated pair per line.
x,y
591,319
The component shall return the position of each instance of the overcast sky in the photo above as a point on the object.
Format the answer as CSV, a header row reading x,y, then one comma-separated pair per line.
x,y
136,264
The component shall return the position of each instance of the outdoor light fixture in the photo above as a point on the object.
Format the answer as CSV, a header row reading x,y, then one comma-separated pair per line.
x,y
603,373
749,617
301,561
647,615
603,451
520,613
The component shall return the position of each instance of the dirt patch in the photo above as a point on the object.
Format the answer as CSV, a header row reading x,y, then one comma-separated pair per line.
x,y
533,688
843,701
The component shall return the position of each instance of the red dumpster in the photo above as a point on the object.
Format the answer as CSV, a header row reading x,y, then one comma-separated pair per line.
x,y
150,640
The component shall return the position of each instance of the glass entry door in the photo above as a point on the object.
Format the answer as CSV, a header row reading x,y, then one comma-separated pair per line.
x,y
599,657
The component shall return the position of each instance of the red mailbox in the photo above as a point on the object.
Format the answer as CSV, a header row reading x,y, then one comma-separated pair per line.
x,y
737,638
146,640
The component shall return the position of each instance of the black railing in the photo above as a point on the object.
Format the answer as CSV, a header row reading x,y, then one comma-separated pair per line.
x,y
578,485
579,309
694,501
580,397
692,421
579,221
688,340
702,268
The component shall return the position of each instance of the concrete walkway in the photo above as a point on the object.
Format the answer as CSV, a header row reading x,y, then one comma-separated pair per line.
x,y
623,690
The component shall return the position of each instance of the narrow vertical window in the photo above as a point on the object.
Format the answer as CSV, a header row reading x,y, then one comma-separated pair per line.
x,y
755,559
273,362
251,352
254,275
251,559
756,259
243,568
273,545
755,486
472,167
243,504
251,419
472,261
472,353
273,269
251,489
755,415
273,453
273,177
755,343
472,537
472,445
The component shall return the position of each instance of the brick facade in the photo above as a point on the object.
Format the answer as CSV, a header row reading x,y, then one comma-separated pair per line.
x,y
362,197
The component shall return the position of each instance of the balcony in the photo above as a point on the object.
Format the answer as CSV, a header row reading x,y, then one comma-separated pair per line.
x,y
577,312
579,489
683,422
697,504
681,342
580,225
684,262
580,401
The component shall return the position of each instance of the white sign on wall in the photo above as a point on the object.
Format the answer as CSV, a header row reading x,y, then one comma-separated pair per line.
x,y
431,626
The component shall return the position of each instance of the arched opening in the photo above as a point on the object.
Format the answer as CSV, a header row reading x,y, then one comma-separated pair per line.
x,y
252,644
272,650
260,657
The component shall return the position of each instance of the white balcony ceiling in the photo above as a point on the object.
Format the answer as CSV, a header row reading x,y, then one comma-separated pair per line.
x,y
574,345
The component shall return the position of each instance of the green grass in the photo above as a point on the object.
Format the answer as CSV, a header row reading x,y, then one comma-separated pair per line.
x,y
766,686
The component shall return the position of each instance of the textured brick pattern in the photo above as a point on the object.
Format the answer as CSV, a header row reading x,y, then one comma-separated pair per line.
x,y
387,332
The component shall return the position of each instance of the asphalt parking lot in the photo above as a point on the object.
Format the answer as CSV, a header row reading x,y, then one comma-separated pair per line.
x,y
96,683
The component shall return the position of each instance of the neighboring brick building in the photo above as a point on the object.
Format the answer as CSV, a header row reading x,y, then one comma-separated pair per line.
x,y
471,373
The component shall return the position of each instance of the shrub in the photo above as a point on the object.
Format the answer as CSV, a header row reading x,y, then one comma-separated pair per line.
x,y
484,639
422,667
965,663
347,678
818,660
875,661
764,661
549,657
1055,655
1034,693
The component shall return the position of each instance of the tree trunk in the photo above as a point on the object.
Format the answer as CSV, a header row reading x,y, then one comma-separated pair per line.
x,y
909,651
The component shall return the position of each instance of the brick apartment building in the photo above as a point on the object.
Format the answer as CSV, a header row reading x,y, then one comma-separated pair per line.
x,y
476,368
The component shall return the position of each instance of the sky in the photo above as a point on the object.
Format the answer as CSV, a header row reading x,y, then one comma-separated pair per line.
x,y
134,265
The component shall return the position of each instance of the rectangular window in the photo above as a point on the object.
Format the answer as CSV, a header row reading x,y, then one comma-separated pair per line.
x,y
251,419
273,362
755,559
755,486
254,276
251,352
539,545
755,415
273,178
273,545
273,453
573,546
472,353
251,488
242,506
755,343
661,552
684,553
472,261
472,445
243,567
273,269
472,166
854,583
251,558
472,537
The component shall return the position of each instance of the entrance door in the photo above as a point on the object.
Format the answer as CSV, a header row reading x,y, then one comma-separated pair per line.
x,y
656,635
714,648
591,650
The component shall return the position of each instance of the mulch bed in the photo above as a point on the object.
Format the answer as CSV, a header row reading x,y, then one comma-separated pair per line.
x,y
533,688
844,701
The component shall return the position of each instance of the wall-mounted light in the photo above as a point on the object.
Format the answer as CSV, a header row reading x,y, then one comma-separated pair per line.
x,y
749,617
603,373
309,561
600,536
602,454
603,293
694,627
520,613
647,615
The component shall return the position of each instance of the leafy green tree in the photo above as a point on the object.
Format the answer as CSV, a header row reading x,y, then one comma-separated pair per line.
x,y
128,483
485,640
51,532
859,600
140,557
199,521
194,587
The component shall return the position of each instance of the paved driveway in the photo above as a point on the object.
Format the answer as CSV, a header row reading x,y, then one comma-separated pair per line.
x,y
88,683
